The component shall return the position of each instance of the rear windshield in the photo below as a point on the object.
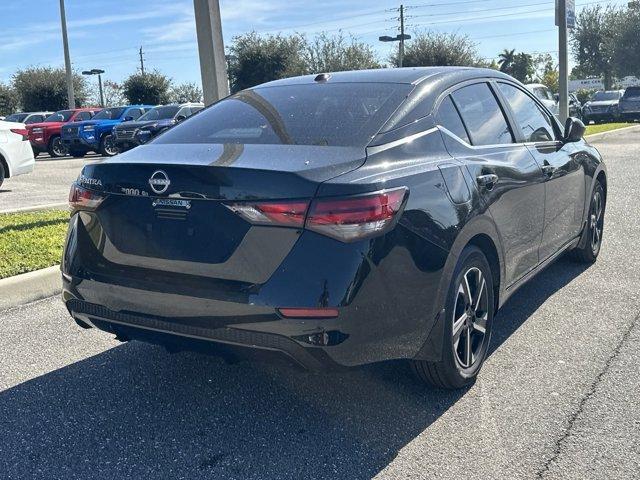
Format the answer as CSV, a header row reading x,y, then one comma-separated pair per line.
x,y
339,114
632,92
160,113
605,96
109,113
61,116
16,117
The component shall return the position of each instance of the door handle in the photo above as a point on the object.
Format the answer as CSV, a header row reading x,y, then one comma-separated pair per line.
x,y
488,181
548,170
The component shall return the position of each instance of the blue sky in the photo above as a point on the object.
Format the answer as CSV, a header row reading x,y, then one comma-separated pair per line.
x,y
108,33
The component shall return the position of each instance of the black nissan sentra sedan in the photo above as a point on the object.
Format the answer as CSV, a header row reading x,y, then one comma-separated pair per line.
x,y
336,220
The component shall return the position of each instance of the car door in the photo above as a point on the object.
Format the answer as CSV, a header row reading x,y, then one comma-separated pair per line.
x,y
560,162
507,177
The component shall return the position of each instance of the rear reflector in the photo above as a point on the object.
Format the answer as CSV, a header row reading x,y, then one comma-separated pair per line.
x,y
355,218
346,218
83,199
308,312
21,131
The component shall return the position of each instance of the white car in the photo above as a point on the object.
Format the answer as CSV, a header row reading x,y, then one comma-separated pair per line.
x,y
545,95
16,154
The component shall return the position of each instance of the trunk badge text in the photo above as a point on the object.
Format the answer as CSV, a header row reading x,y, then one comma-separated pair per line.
x,y
159,181
171,202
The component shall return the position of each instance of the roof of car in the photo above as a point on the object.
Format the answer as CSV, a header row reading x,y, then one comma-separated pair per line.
x,y
407,75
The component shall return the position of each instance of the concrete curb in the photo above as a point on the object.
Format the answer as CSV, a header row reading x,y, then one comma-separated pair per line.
x,y
29,287
37,208
600,136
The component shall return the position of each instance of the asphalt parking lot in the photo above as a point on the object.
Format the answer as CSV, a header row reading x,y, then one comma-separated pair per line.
x,y
48,184
557,398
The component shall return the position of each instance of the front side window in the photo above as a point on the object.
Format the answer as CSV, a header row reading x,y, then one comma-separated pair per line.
x,y
322,114
83,116
534,125
109,113
449,118
17,117
160,113
482,115
632,92
61,116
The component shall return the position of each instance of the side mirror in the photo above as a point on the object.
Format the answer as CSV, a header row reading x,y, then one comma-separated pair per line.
x,y
573,130
180,118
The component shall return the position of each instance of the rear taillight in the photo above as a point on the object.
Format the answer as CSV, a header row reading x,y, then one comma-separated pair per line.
x,y
83,199
346,218
286,214
355,218
21,131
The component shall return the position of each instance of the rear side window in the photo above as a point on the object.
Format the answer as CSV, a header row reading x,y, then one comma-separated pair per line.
x,y
449,118
534,125
338,114
482,115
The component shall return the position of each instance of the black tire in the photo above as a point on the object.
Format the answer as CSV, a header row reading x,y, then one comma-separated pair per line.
x,y
589,252
476,315
2,174
77,153
108,147
56,148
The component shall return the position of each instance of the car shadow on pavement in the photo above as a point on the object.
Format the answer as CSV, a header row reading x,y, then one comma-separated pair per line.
x,y
135,411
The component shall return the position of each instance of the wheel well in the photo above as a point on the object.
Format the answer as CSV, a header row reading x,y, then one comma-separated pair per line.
x,y
485,243
4,164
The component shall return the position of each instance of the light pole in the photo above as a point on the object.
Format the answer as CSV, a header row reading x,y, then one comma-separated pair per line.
x,y
67,58
97,71
398,38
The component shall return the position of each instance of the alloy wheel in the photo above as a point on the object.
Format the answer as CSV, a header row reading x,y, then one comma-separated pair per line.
x,y
596,221
58,148
470,316
110,146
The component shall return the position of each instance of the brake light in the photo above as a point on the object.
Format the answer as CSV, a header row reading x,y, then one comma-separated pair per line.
x,y
286,214
83,199
21,131
355,218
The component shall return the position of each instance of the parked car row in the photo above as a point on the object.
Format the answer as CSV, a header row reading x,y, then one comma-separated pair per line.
x,y
82,130
603,106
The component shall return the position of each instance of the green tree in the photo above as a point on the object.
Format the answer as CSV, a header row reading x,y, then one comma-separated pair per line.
x,y
256,59
627,42
439,49
594,41
185,92
45,88
152,88
506,59
8,100
334,54
113,94
546,71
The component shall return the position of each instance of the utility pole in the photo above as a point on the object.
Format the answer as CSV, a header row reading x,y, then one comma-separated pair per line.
x,y
401,49
67,59
401,37
563,84
141,61
213,66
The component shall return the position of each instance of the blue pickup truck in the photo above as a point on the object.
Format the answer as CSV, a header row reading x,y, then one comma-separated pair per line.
x,y
96,134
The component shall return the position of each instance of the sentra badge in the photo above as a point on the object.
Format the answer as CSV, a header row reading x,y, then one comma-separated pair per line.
x,y
159,181
89,181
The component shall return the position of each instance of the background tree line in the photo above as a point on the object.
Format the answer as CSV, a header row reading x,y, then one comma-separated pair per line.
x,y
605,44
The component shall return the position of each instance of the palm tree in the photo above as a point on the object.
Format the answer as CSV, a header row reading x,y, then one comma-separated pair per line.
x,y
506,59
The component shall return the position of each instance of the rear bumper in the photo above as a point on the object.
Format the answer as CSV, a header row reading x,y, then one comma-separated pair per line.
x,y
386,301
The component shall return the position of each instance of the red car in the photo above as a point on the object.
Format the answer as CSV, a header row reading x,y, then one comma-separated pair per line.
x,y
45,136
